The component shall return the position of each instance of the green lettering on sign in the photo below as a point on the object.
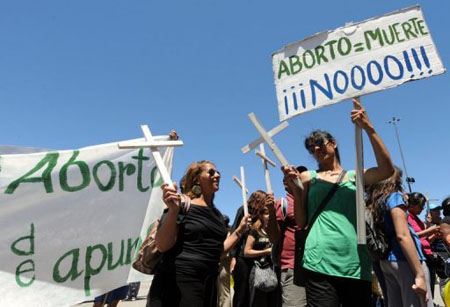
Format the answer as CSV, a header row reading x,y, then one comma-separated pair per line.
x,y
73,272
112,176
91,271
50,160
84,171
20,271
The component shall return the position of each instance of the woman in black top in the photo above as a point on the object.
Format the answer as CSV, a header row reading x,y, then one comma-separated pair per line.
x,y
192,241
259,249
241,265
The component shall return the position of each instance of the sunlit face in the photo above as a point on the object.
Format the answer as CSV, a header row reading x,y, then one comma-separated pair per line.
x,y
209,178
322,150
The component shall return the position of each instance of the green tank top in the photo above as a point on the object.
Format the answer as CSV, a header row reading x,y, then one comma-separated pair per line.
x,y
332,245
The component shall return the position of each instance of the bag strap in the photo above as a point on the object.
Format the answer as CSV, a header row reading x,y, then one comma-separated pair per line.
x,y
326,199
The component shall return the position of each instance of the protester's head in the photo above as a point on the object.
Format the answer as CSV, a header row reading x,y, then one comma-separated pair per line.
x,y
435,212
377,193
323,146
416,202
256,203
446,206
201,178
445,229
262,219
300,169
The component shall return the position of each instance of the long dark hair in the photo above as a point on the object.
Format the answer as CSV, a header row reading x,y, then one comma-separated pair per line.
x,y
316,135
377,193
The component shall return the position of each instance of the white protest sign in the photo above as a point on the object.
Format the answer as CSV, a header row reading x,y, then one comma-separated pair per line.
x,y
72,221
354,60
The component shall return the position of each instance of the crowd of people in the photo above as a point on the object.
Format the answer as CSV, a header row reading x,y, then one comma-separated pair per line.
x,y
306,240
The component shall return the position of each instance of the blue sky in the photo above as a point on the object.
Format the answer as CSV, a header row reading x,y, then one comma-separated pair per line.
x,y
79,73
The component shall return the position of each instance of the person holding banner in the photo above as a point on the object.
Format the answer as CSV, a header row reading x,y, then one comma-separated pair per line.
x,y
192,242
337,270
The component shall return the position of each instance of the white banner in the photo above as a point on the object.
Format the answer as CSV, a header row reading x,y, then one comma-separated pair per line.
x,y
73,220
354,60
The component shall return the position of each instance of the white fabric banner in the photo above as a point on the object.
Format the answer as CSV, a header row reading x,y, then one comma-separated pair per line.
x,y
354,60
72,221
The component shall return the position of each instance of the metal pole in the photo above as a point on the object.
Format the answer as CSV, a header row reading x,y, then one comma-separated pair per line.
x,y
393,121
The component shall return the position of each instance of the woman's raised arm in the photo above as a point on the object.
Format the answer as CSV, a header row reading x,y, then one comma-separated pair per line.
x,y
384,168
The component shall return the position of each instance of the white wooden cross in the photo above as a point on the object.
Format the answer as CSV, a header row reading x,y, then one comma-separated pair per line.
x,y
244,190
238,182
267,138
262,154
153,145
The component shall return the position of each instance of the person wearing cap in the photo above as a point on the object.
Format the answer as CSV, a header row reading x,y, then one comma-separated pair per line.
x,y
435,214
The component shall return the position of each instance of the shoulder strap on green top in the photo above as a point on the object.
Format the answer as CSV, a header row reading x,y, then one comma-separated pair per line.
x,y
313,176
351,175
326,199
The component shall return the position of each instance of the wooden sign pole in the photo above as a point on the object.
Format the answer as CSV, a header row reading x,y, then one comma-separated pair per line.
x,y
360,204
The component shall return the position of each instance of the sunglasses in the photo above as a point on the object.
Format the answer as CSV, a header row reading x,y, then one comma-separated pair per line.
x,y
316,143
212,172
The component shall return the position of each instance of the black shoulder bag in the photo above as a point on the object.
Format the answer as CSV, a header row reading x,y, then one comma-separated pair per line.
x,y
302,234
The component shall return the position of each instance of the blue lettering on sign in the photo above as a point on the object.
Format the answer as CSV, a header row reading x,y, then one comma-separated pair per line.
x,y
388,70
335,81
363,77
327,92
390,67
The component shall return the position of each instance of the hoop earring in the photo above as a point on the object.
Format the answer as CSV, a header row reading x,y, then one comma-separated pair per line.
x,y
197,190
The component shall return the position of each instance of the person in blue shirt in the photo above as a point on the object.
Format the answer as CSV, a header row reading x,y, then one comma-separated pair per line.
x,y
404,268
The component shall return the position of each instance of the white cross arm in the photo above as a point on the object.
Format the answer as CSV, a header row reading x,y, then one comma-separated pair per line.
x,y
260,140
238,182
151,143
262,156
131,145
268,140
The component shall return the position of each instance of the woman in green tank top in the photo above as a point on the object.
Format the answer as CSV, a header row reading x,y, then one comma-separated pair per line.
x,y
338,270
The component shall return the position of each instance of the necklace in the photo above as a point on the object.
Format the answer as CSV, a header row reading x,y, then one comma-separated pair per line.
x,y
331,173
